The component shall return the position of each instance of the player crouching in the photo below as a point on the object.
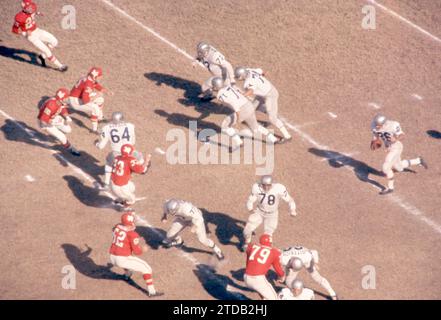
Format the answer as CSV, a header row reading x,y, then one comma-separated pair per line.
x,y
54,119
122,169
87,96
126,244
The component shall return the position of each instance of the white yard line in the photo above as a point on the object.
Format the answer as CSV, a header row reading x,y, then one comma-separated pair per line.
x,y
417,96
401,18
406,206
374,105
332,115
159,151
29,178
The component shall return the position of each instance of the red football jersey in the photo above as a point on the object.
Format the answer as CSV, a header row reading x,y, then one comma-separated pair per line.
x,y
125,242
24,22
83,88
123,166
260,258
50,109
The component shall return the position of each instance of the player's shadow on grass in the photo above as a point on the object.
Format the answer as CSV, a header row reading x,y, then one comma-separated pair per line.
x,y
19,131
182,120
86,162
219,286
84,264
227,227
21,55
434,134
152,236
361,169
191,91
89,196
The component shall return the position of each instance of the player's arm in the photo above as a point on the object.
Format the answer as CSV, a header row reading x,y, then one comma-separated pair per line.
x,y
16,28
230,72
104,138
139,168
252,199
249,89
399,134
277,266
135,245
290,201
65,114
85,95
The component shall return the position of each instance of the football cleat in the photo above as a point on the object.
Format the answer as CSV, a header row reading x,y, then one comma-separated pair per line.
x,y
386,191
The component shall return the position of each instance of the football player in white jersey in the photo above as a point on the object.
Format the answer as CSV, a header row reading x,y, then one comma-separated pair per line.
x,y
118,132
297,292
267,96
294,259
218,66
390,133
267,195
243,112
186,215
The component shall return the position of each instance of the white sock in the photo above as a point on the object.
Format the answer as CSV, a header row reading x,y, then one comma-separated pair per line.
x,y
56,62
414,162
390,184
285,132
107,176
271,138
94,125
151,289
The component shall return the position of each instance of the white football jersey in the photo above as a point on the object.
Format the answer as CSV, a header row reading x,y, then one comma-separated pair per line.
x,y
118,135
388,130
216,63
232,97
268,201
257,82
188,211
304,254
286,294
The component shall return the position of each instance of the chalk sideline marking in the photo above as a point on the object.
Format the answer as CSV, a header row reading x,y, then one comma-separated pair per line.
x,y
29,178
374,105
305,136
410,23
417,96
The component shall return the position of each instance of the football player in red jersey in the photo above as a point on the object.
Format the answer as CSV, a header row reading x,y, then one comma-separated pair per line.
x,y
87,96
25,25
122,169
125,246
260,258
54,119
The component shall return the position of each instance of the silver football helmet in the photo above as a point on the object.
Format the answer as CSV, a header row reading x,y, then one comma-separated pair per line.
x,y
217,83
240,73
117,117
297,285
379,120
266,180
171,206
296,264
202,49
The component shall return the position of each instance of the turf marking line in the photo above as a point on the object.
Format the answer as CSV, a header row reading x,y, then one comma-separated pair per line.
x,y
413,25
